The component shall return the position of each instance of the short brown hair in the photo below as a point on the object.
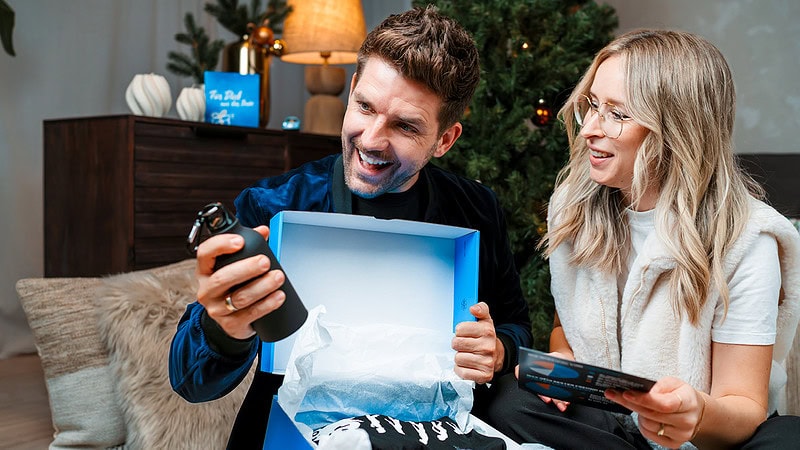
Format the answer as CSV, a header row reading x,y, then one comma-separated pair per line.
x,y
431,49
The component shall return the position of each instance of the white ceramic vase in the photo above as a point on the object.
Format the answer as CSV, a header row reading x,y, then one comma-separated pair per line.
x,y
191,104
149,95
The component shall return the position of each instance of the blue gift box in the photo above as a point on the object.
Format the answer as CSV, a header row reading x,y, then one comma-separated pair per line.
x,y
232,98
367,270
282,434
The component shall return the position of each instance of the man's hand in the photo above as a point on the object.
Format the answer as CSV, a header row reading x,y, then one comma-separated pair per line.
x,y
479,353
234,311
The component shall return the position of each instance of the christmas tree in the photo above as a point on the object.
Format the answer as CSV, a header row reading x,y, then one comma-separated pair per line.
x,y
533,52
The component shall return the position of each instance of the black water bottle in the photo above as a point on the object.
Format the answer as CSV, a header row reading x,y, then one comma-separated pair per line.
x,y
291,315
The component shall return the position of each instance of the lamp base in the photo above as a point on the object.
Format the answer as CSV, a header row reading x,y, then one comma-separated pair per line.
x,y
324,111
324,79
323,114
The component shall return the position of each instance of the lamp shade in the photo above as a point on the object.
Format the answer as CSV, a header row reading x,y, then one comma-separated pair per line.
x,y
323,31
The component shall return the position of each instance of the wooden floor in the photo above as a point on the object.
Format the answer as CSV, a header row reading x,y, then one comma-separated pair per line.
x,y
24,410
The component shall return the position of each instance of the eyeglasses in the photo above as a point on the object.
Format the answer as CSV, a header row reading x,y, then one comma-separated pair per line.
x,y
611,118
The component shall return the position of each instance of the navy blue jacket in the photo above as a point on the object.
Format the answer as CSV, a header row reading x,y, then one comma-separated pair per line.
x,y
206,364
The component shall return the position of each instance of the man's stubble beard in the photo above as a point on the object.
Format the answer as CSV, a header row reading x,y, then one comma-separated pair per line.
x,y
387,185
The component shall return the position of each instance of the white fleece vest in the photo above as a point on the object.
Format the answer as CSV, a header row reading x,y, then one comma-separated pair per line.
x,y
652,342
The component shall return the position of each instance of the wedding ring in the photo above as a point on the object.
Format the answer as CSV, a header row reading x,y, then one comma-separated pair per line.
x,y
680,400
229,304
661,430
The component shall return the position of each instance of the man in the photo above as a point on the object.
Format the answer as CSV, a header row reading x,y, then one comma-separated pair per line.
x,y
415,76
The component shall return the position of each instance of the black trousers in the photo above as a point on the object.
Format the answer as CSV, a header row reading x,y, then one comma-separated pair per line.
x,y
250,426
524,417
777,432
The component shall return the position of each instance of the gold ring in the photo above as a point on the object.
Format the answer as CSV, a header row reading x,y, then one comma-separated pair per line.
x,y
661,430
229,304
680,400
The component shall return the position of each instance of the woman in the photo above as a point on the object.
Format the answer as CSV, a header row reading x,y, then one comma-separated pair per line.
x,y
663,262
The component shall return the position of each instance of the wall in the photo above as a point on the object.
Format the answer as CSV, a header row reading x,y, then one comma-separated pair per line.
x,y
74,59
761,41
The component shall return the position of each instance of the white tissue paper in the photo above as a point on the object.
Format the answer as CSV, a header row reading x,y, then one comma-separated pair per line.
x,y
336,372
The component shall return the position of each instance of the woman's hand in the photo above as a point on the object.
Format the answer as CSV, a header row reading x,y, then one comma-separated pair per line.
x,y
726,417
561,405
669,415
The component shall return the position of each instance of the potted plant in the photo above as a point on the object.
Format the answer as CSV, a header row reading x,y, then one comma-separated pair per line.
x,y
6,27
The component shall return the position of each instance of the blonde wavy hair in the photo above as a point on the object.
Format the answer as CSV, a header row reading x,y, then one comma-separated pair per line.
x,y
680,88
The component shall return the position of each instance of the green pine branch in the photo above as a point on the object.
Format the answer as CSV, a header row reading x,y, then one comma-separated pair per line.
x,y
203,54
235,17
276,14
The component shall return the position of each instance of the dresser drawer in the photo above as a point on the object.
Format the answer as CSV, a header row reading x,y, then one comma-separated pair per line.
x,y
121,192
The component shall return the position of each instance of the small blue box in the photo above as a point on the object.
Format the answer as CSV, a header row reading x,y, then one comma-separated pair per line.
x,y
367,270
232,98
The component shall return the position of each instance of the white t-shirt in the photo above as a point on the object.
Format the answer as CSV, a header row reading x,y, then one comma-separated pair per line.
x,y
754,288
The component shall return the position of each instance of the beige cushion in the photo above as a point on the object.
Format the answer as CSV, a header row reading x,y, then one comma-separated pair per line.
x,y
103,344
74,360
137,317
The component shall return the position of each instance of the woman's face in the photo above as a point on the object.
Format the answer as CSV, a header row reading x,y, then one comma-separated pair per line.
x,y
611,159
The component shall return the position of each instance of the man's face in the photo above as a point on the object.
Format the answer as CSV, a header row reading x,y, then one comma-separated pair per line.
x,y
390,131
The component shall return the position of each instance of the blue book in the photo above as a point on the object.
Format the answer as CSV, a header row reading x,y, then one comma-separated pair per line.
x,y
232,98
573,381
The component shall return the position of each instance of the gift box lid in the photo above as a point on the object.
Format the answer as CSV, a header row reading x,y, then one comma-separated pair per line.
x,y
367,270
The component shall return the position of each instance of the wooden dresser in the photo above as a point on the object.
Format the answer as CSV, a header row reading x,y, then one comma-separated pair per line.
x,y
121,192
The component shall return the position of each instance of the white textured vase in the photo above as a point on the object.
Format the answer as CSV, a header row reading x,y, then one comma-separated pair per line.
x,y
149,95
191,104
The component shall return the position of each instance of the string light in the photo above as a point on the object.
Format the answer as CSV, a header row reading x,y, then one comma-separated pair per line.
x,y
542,114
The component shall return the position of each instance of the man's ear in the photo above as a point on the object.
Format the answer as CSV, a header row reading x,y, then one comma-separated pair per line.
x,y
447,140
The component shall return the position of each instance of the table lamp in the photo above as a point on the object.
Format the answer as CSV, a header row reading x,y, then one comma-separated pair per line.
x,y
320,33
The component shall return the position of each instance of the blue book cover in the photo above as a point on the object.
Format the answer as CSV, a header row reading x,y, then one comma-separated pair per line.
x,y
573,381
232,98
